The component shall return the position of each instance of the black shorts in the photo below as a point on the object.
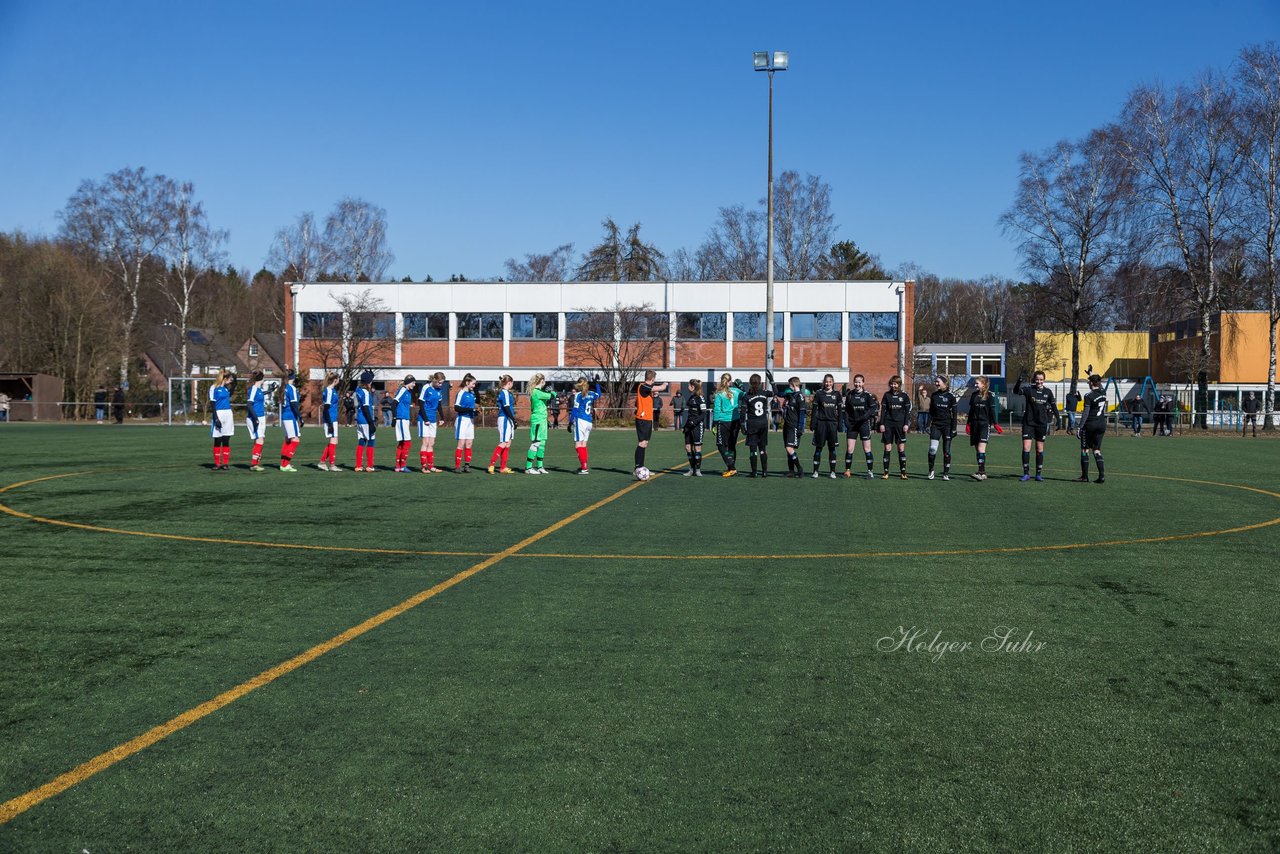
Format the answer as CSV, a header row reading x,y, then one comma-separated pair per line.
x,y
758,435
860,430
894,434
825,433
1091,438
1038,432
979,433
1251,418
693,432
940,431
644,430
791,434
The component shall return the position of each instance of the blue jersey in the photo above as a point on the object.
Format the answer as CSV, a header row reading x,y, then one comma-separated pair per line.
x,y
220,396
431,397
364,407
507,404
465,404
331,403
257,401
288,411
582,404
404,404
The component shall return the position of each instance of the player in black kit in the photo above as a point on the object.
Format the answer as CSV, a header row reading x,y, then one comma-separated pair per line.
x,y
1092,428
895,424
1036,418
755,418
793,413
982,420
824,413
693,428
861,411
942,424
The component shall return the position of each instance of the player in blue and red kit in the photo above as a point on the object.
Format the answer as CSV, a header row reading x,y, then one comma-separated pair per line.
x,y
330,401
256,418
403,400
290,422
581,420
429,399
366,423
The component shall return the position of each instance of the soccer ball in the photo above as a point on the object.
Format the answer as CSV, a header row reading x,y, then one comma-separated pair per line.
x,y
642,473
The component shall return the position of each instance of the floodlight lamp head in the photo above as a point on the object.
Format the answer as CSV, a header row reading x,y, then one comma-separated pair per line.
x,y
781,58
761,58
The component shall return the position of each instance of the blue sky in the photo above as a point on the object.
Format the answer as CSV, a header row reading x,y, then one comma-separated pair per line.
x,y
495,130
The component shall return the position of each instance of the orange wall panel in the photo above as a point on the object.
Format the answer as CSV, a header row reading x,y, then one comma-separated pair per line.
x,y
815,354
533,354
479,353
700,354
428,354
875,360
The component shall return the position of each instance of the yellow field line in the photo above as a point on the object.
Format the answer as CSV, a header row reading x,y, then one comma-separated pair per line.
x,y
12,808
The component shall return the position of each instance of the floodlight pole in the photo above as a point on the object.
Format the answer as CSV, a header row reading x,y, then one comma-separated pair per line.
x,y
769,61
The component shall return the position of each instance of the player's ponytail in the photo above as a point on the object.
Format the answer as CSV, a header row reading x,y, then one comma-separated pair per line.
x,y
726,380
581,386
695,386
537,380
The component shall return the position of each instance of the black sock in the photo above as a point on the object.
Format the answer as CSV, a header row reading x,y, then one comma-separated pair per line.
x,y
848,460
1039,461
639,455
933,458
886,460
1026,462
902,461
982,462
764,461
871,461
1084,464
1098,460
697,460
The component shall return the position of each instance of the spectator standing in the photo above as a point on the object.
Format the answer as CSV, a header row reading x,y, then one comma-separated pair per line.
x,y
1073,400
349,408
388,407
117,405
657,412
1251,406
1135,414
924,397
553,409
4,406
677,411
100,404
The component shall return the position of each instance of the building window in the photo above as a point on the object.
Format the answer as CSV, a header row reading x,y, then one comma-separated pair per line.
x,y
419,326
542,326
322,324
484,325
700,326
817,326
952,364
253,351
749,326
988,366
873,325
376,325
588,324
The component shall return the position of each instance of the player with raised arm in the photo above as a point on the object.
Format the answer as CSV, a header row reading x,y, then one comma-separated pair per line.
x,y
694,426
366,423
1037,416
895,424
582,420
430,399
942,424
538,400
794,411
824,415
464,424
330,402
861,410
644,413
982,420
755,418
290,421
256,418
222,422
1092,428
403,406
724,420
506,426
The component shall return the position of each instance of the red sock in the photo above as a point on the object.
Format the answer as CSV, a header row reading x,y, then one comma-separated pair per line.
x,y
422,456
505,453
431,459
368,453
257,452
359,456
457,458
217,455
226,455
468,452
497,453
332,451
292,449
582,456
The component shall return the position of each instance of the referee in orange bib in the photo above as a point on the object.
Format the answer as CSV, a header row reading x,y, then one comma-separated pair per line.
x,y
644,413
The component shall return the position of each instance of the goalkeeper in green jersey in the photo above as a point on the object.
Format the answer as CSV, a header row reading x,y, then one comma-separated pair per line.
x,y
537,425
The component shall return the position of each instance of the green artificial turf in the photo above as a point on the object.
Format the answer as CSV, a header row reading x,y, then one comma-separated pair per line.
x,y
697,664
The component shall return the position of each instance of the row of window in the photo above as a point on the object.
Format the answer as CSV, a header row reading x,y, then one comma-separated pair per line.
x,y
544,326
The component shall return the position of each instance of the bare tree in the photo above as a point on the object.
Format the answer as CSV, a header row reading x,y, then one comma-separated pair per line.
x,y
365,341
355,233
1258,78
1066,220
192,250
1185,159
124,221
299,252
619,259
617,344
554,266
734,248
803,225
